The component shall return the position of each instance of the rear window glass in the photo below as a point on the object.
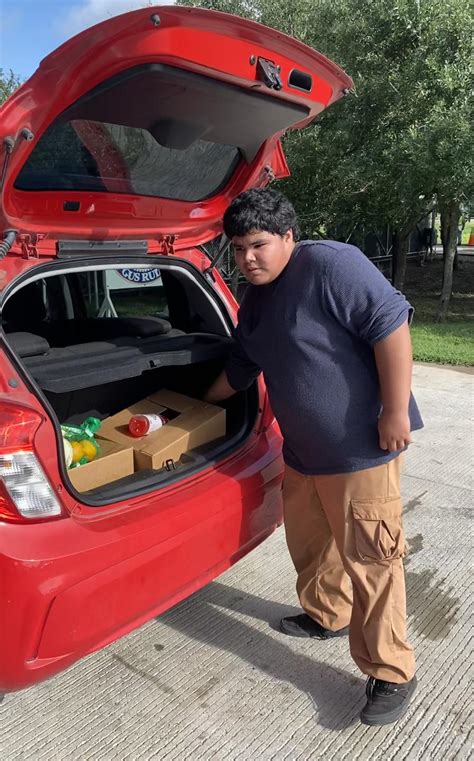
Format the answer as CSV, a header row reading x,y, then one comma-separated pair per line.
x,y
155,130
130,292
97,156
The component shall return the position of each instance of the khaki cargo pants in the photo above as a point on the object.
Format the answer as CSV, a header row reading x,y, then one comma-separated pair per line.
x,y
348,528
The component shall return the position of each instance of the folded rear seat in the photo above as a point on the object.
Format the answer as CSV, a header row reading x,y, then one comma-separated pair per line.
x,y
28,344
80,331
94,363
75,354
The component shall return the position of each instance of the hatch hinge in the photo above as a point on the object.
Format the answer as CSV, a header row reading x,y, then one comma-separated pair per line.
x,y
167,244
269,73
28,244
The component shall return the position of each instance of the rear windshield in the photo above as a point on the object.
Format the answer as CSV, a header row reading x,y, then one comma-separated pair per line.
x,y
91,155
155,130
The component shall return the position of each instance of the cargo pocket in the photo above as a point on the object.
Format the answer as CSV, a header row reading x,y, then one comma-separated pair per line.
x,y
378,529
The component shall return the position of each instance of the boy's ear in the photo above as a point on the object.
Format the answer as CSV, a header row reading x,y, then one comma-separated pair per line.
x,y
288,237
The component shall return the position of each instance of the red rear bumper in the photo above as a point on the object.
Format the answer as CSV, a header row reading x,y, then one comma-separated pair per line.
x,y
70,587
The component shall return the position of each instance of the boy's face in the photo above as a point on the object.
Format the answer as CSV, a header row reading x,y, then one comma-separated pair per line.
x,y
262,256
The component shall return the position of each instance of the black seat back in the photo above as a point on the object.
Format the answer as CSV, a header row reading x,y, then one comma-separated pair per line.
x,y
25,310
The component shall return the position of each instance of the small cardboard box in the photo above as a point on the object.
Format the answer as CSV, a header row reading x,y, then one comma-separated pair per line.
x,y
114,463
195,423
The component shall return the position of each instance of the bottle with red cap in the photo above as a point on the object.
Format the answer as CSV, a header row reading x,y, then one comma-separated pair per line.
x,y
141,425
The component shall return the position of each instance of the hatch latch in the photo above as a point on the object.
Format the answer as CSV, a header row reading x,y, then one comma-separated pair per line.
x,y
269,73
167,245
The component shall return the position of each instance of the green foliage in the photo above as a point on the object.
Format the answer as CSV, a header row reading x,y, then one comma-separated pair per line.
x,y
8,84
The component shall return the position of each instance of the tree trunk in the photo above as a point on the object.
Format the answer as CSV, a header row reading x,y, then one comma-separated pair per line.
x,y
444,241
399,259
450,215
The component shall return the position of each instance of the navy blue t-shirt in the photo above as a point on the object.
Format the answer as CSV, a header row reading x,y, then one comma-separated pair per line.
x,y
312,331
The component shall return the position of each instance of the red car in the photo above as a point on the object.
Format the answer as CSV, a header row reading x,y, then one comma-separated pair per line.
x,y
118,158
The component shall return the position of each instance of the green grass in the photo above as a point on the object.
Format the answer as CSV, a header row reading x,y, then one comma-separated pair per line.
x,y
447,344
147,302
451,342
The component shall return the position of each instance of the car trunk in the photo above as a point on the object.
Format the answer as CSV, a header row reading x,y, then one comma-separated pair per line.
x,y
95,341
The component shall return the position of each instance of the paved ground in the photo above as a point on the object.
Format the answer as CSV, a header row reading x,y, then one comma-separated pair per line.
x,y
212,680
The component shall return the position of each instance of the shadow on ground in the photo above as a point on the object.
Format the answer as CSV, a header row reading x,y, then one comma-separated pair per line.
x,y
201,618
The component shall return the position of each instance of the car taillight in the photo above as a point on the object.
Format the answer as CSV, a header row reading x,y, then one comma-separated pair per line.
x,y
25,492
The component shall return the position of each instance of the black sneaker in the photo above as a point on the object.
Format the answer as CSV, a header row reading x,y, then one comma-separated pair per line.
x,y
386,701
304,626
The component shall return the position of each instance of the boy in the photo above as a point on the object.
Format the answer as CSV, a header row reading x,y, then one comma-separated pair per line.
x,y
331,336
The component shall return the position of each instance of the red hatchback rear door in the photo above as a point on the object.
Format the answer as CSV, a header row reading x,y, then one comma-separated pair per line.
x,y
148,124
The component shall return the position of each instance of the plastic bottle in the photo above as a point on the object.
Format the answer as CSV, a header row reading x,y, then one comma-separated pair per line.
x,y
141,425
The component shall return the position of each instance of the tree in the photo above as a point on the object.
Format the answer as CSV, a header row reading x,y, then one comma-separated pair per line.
x,y
8,84
368,161
450,139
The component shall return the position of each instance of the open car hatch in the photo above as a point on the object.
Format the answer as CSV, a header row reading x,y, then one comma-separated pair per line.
x,y
148,124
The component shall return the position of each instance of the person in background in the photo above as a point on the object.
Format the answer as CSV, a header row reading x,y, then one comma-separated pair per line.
x,y
331,336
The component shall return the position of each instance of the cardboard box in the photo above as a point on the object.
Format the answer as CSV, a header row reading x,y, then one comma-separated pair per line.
x,y
195,423
113,463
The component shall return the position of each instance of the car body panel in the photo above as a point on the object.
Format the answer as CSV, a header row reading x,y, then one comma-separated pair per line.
x,y
71,586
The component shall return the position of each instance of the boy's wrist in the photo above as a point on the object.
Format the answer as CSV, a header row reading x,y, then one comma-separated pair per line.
x,y
395,409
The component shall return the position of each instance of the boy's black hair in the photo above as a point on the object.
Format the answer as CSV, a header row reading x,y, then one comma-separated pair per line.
x,y
262,209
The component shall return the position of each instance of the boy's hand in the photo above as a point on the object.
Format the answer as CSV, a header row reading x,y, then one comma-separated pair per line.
x,y
220,390
394,431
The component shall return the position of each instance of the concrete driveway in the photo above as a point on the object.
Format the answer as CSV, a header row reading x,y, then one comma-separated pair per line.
x,y
212,679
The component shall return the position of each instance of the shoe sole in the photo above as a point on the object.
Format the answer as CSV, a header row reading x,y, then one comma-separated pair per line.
x,y
305,635
390,718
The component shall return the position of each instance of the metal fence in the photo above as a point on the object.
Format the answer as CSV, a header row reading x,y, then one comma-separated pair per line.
x,y
237,282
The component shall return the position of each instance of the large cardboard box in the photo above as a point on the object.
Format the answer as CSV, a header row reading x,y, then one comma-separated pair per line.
x,y
194,423
113,463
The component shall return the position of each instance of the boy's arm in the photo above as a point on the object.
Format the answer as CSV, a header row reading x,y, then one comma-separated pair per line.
x,y
365,303
393,357
220,389
238,374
